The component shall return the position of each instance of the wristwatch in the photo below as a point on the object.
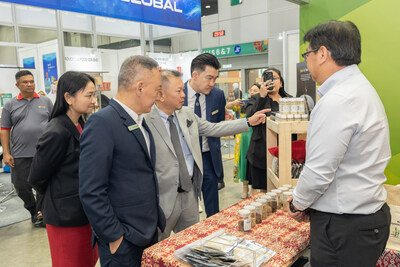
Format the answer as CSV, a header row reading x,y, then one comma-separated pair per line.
x,y
291,207
248,123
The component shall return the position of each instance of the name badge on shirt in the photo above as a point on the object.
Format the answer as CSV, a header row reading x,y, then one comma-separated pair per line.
x,y
214,112
133,127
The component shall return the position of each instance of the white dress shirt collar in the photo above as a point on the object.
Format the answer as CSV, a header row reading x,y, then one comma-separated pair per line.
x,y
336,78
137,118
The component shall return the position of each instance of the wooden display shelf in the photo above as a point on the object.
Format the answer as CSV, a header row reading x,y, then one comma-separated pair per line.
x,y
285,131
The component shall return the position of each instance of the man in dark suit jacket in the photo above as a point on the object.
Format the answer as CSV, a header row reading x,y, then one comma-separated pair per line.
x,y
118,185
202,95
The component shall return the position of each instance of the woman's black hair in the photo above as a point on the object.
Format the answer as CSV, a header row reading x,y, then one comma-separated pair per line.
x,y
70,82
281,92
256,84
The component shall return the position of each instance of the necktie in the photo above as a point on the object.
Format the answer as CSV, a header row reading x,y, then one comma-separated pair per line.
x,y
197,108
184,179
197,111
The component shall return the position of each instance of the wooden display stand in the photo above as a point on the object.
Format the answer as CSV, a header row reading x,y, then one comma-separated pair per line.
x,y
285,131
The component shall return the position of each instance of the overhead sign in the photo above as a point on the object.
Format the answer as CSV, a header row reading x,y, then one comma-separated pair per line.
x,y
82,59
184,14
258,47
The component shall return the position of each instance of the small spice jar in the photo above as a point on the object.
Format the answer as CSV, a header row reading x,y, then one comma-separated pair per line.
x,y
278,198
280,105
297,117
265,208
244,222
290,117
273,202
304,117
269,203
286,196
301,106
285,106
253,215
288,186
258,207
283,188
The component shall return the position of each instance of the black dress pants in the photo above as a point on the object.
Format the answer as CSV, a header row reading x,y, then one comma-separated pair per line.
x,y
348,239
19,177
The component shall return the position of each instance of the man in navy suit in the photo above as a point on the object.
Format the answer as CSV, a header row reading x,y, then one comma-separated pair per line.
x,y
118,184
208,102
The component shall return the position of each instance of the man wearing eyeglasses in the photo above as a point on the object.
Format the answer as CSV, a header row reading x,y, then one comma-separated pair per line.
x,y
340,188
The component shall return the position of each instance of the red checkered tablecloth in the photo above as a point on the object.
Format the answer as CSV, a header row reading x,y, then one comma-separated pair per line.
x,y
279,232
389,258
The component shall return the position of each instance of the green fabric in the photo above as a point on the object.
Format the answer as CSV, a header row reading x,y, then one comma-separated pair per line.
x,y
244,146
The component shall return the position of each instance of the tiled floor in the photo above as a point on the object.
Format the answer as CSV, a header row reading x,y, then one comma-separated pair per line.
x,y
23,245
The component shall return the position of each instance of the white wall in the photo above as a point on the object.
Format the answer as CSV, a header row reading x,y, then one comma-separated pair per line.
x,y
253,20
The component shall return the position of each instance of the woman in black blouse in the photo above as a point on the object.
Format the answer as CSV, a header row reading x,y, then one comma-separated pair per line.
x,y
268,97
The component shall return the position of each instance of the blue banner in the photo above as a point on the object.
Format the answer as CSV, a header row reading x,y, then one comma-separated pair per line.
x,y
50,72
184,14
29,62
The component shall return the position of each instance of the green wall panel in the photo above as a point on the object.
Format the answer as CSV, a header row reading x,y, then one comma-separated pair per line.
x,y
322,10
379,25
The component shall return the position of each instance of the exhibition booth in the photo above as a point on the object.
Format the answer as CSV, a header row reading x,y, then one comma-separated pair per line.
x,y
276,239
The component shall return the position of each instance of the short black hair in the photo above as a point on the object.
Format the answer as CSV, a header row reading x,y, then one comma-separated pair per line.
x,y
200,62
21,73
341,38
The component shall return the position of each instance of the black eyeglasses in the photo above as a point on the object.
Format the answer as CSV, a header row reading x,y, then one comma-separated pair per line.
x,y
305,55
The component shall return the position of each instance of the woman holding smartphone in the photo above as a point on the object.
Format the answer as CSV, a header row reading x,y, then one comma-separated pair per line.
x,y
55,173
270,92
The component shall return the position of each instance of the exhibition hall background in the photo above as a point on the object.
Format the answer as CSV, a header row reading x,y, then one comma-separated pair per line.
x,y
279,25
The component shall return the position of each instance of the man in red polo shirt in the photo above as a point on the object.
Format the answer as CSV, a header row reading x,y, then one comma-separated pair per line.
x,y
23,119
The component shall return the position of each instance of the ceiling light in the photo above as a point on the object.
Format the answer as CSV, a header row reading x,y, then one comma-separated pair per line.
x,y
208,6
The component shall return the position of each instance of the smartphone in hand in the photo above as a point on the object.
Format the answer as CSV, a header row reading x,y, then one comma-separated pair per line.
x,y
268,75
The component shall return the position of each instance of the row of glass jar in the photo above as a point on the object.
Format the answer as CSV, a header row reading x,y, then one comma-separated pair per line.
x,y
258,211
291,117
292,105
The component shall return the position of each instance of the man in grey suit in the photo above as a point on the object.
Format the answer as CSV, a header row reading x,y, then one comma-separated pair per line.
x,y
179,165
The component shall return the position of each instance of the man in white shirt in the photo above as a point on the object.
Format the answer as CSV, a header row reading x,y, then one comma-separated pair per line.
x,y
347,152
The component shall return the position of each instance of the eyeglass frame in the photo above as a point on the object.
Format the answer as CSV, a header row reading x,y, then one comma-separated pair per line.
x,y
305,55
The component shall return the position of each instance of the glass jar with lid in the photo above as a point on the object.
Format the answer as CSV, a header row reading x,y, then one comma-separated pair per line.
x,y
253,216
258,207
265,207
285,106
279,197
244,222
286,196
273,201
287,186
280,105
301,106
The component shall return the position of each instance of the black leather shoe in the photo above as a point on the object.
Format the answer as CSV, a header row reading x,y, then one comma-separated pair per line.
x,y
221,185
